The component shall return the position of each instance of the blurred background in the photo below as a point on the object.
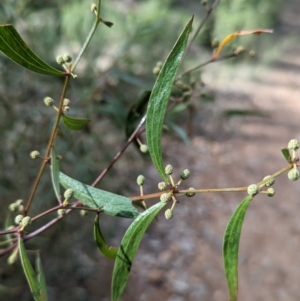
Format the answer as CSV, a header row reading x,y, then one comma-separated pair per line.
x,y
229,134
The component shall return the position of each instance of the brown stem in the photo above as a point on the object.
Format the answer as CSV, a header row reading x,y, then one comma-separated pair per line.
x,y
50,143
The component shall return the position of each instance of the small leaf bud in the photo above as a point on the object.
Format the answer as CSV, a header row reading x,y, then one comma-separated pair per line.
x,y
18,219
35,154
143,148
293,145
162,186
61,212
294,174
12,257
168,169
253,189
66,101
67,58
270,182
185,174
48,101
190,194
140,180
165,197
270,192
68,193
168,214
26,221
60,60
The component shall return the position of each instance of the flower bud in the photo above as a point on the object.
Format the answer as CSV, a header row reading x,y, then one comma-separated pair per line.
x,y
168,214
60,60
253,189
294,174
143,148
67,58
140,180
66,108
48,101
156,70
66,101
162,186
13,207
270,192
293,145
18,219
190,194
165,197
25,221
61,212
68,193
185,174
168,169
83,212
270,181
35,154
215,43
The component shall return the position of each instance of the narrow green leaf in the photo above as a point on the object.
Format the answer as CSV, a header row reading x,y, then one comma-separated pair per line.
x,y
128,248
286,154
75,123
109,252
29,272
12,45
159,99
41,277
109,203
231,246
55,173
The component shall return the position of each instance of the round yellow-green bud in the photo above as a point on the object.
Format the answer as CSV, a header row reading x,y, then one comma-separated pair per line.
x,y
162,186
168,169
60,60
66,108
143,148
66,101
93,7
165,197
190,194
68,193
34,154
48,101
294,145
215,43
156,70
270,181
13,207
18,219
252,53
239,50
19,202
168,214
185,174
25,221
67,58
294,174
253,189
270,192
83,212
61,212
140,180
159,64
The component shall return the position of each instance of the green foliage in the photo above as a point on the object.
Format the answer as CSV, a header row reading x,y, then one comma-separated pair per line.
x,y
108,202
75,124
231,246
159,99
128,248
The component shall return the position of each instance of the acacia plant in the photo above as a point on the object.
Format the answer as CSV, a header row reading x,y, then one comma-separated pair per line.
x,y
80,196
